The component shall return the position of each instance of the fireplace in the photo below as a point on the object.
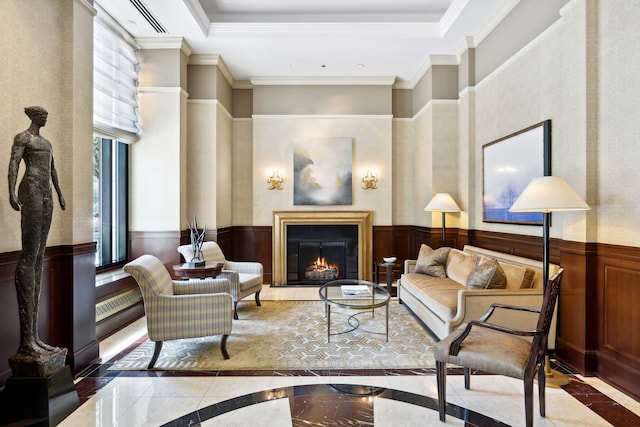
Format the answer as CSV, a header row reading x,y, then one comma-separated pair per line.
x,y
300,239
319,253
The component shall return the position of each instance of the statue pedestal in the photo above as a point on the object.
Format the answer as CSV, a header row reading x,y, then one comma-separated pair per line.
x,y
33,401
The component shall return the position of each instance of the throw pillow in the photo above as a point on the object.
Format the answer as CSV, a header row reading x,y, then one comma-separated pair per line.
x,y
487,275
432,262
460,264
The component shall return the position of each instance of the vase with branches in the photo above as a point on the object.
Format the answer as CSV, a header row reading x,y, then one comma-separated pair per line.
x,y
197,239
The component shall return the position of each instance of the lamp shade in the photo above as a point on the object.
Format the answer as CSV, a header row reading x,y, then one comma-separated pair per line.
x,y
548,194
442,202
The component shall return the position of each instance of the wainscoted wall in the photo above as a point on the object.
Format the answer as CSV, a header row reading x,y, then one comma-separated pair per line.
x,y
598,298
67,305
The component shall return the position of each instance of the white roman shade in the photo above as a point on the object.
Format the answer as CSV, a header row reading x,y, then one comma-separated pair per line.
x,y
115,81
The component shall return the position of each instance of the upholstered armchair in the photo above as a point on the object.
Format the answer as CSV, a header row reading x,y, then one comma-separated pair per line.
x,y
178,309
495,349
245,277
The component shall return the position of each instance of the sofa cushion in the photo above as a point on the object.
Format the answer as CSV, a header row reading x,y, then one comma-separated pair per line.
x,y
518,277
432,262
460,264
487,275
440,295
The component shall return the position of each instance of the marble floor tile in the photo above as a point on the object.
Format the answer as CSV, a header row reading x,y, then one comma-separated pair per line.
x,y
342,397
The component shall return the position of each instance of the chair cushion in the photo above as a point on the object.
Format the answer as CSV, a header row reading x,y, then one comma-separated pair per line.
x,y
487,275
249,281
488,351
432,262
440,295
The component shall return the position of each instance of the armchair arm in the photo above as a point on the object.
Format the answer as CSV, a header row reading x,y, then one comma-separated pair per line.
x,y
244,267
473,304
201,286
409,265
493,306
454,349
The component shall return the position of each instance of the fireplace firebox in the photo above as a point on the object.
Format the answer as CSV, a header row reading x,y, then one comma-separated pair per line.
x,y
320,253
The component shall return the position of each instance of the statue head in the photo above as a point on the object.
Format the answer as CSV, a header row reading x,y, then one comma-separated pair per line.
x,y
37,114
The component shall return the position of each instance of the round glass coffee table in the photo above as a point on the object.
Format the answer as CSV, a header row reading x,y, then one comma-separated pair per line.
x,y
356,295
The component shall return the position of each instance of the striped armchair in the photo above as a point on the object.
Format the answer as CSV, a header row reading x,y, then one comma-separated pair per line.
x,y
177,309
245,277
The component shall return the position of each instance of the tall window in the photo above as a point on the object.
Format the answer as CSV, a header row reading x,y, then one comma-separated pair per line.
x,y
110,195
115,122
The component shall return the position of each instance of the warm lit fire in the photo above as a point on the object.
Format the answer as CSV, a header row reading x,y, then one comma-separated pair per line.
x,y
321,269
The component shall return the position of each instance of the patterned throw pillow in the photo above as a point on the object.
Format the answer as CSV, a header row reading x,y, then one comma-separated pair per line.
x,y
432,263
487,275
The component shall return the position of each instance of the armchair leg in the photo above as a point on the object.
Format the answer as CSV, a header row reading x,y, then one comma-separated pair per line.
x,y
441,379
156,353
541,388
258,299
235,310
528,401
467,378
223,347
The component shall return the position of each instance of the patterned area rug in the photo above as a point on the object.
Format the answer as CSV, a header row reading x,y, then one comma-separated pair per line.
x,y
292,335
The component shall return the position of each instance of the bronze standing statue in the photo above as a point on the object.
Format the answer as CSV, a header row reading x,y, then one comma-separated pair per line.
x,y
35,203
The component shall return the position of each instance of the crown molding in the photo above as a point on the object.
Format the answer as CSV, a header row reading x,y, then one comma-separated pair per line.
x,y
164,43
213,59
88,6
402,29
324,81
428,63
199,15
567,7
502,13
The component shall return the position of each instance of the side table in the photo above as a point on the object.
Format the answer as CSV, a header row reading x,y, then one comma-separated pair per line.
x,y
389,273
188,271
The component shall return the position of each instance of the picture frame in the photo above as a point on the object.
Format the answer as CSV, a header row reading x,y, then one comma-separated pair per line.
x,y
509,164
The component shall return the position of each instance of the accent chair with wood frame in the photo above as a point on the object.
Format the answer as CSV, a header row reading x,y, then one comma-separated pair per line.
x,y
246,277
487,347
177,309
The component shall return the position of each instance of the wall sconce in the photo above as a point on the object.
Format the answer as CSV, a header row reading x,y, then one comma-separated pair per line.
x,y
370,181
275,181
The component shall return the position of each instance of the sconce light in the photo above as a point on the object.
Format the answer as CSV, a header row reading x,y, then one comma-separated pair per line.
x,y
275,181
370,181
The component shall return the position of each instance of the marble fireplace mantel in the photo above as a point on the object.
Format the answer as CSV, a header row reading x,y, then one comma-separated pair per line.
x,y
281,219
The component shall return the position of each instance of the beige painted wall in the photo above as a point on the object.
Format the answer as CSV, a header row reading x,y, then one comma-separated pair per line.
x,y
242,172
224,151
273,138
37,70
545,80
619,130
403,182
202,163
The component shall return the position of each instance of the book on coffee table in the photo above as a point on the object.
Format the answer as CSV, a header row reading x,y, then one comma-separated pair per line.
x,y
355,291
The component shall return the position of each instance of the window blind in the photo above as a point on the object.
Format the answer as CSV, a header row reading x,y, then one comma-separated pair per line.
x,y
115,82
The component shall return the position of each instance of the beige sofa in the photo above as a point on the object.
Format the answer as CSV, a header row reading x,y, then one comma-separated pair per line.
x,y
443,304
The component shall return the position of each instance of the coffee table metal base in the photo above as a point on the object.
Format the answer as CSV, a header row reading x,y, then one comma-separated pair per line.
x,y
331,293
354,323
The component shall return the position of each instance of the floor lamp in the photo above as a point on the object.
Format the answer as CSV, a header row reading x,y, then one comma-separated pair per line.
x,y
442,202
548,194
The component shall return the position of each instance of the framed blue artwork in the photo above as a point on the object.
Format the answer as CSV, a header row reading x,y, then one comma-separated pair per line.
x,y
509,164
